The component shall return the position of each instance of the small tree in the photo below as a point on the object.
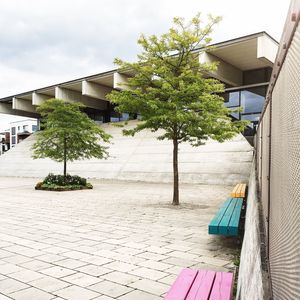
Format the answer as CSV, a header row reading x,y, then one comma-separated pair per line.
x,y
169,91
68,134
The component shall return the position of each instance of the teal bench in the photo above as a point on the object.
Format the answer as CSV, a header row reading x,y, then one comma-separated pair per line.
x,y
226,221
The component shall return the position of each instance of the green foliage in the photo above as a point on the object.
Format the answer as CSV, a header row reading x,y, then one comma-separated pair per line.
x,y
63,183
169,90
68,134
61,180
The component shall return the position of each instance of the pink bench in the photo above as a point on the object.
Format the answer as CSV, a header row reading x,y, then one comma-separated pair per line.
x,y
201,285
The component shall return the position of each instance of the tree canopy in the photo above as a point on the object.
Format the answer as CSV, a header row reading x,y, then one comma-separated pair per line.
x,y
171,89
68,134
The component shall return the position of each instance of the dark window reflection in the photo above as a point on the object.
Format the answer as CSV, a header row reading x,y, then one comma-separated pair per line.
x,y
252,100
232,99
252,117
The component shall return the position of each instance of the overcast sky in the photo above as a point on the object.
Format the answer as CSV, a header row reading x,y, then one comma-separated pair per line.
x,y
44,42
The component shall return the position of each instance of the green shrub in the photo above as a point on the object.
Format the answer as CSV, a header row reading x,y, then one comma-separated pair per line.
x,y
61,181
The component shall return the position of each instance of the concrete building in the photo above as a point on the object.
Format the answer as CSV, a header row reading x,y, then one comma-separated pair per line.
x,y
20,130
4,141
245,66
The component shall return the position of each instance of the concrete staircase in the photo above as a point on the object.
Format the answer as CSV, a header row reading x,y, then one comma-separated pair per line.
x,y
143,158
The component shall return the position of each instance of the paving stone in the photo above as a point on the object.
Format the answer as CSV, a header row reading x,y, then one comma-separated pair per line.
x,y
150,286
4,253
169,280
9,285
76,293
127,250
30,294
96,260
139,295
148,273
103,297
70,263
75,254
36,265
120,266
8,268
111,289
2,297
50,258
214,261
94,270
2,277
184,255
152,264
152,256
17,259
159,250
26,275
49,284
81,279
179,262
57,272
121,278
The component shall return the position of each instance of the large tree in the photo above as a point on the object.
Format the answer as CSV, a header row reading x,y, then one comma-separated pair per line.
x,y
68,134
170,89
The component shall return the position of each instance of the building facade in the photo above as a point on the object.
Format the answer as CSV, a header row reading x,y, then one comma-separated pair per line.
x,y
245,65
20,130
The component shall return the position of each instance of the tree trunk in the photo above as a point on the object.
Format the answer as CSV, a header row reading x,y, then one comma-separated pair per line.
x,y
175,173
65,159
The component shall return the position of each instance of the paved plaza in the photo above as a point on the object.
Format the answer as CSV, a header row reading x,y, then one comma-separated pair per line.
x,y
122,240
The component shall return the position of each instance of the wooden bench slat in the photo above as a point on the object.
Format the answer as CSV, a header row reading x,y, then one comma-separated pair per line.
x,y
242,191
233,193
180,289
223,226
202,285
222,288
233,227
213,227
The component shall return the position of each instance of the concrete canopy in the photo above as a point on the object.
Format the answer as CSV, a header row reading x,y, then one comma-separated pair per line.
x,y
234,56
250,52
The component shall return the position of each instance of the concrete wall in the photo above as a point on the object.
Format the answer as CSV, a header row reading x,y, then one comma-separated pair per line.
x,y
143,158
251,275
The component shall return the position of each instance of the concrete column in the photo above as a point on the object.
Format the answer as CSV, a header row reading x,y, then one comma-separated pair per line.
x,y
38,99
74,96
120,81
95,90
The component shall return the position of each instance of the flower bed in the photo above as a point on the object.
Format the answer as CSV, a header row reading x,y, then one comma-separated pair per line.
x,y
61,183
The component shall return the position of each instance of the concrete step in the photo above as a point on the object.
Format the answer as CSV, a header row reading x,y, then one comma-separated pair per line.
x,y
143,158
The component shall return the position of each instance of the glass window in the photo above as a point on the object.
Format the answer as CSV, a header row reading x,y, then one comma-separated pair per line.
x,y
34,128
13,130
252,100
236,115
13,139
25,128
232,99
252,117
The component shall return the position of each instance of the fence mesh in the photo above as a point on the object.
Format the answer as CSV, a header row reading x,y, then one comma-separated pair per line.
x,y
282,206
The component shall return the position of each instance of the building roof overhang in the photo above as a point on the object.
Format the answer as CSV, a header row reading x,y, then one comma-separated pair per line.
x,y
234,56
